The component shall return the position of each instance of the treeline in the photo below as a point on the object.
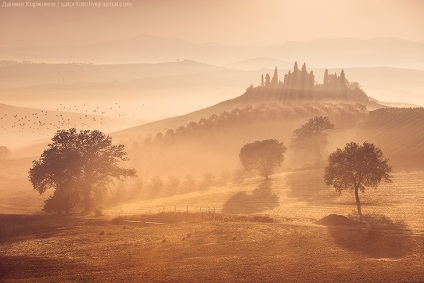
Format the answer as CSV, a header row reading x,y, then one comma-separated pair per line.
x,y
343,113
168,186
300,84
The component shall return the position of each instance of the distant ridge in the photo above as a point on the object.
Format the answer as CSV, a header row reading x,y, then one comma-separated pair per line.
x,y
347,52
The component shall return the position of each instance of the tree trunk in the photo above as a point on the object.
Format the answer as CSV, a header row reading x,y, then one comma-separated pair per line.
x,y
358,203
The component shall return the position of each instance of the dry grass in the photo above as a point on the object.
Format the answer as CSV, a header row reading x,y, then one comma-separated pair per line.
x,y
300,195
203,245
71,249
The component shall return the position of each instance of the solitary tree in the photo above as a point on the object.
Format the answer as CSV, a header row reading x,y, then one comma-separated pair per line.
x,y
311,135
263,156
356,167
78,166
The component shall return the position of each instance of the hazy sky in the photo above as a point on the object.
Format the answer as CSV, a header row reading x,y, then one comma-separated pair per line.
x,y
254,22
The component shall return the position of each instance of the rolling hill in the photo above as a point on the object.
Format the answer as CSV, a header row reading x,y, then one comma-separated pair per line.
x,y
399,132
186,85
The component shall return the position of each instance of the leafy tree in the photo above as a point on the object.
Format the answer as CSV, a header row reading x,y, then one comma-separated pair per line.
x,y
78,166
188,184
263,156
209,180
159,136
250,88
356,167
172,185
267,80
156,187
311,135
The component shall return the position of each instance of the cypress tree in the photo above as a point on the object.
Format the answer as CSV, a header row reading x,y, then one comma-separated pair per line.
x,y
326,76
274,80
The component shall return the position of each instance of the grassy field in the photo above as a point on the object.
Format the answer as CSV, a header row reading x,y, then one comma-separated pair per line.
x,y
299,195
82,249
215,245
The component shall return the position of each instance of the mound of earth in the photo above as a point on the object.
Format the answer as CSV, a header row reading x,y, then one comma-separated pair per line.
x,y
337,220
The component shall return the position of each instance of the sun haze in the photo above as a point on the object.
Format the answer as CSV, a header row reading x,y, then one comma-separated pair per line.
x,y
236,22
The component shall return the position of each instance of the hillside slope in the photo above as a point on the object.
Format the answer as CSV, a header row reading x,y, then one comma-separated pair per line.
x,y
399,132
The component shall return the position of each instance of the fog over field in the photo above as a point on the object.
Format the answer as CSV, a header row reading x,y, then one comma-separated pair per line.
x,y
241,141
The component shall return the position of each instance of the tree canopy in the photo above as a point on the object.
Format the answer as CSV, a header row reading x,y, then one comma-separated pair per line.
x,y
79,167
357,167
263,156
311,135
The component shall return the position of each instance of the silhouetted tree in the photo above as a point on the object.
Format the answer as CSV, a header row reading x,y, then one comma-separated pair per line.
x,y
326,76
267,80
311,135
296,68
274,80
250,88
295,80
342,75
262,80
342,80
77,166
208,181
169,133
156,186
180,130
263,156
311,84
304,72
159,136
356,167
188,184
304,81
191,125
172,185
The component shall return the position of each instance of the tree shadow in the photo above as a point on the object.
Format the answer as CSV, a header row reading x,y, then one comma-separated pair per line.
x,y
34,268
308,186
15,228
260,199
378,237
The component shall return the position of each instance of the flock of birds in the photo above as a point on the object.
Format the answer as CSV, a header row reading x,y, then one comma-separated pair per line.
x,y
66,116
